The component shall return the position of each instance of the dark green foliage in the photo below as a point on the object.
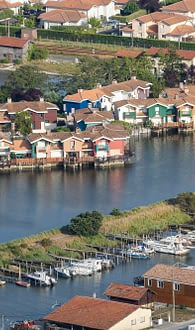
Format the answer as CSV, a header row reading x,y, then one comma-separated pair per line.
x,y
149,5
116,212
130,8
38,53
187,202
24,123
86,224
6,13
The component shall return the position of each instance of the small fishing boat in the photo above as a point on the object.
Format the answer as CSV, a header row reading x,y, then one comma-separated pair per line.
x,y
137,254
40,278
2,283
20,282
24,284
63,271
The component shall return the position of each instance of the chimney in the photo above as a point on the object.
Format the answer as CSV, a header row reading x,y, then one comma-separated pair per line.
x,y
114,81
9,100
90,105
186,90
80,90
181,86
94,295
99,85
133,77
176,96
41,99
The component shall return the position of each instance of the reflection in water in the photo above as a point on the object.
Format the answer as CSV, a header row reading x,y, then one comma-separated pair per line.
x,y
32,202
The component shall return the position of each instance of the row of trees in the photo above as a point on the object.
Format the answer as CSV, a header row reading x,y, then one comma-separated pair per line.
x,y
29,83
149,5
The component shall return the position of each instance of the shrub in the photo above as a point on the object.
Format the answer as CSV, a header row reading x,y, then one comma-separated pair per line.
x,y
86,224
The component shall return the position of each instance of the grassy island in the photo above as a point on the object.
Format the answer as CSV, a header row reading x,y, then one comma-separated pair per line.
x,y
140,221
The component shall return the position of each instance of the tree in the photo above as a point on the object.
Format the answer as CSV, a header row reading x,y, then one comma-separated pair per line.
x,y
149,5
86,224
130,8
187,202
26,83
94,22
23,123
36,53
25,77
173,69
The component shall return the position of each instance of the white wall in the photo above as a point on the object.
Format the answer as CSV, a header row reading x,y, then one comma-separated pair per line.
x,y
139,319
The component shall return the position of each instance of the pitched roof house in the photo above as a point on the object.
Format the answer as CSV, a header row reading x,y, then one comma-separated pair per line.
x,y
97,8
89,117
129,294
44,114
103,97
93,313
12,48
61,17
185,7
163,25
165,280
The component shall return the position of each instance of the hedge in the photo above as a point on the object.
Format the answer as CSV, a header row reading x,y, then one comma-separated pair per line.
x,y
100,38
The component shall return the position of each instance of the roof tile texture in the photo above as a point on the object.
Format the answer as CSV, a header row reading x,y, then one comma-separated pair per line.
x,y
91,312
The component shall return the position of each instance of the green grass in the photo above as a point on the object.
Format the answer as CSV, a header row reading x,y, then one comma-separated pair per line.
x,y
129,18
139,221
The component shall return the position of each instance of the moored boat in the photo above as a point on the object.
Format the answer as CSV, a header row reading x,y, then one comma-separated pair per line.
x,y
40,278
2,283
24,284
137,254
172,247
63,271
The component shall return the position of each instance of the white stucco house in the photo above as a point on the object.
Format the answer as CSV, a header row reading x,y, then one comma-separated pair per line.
x,y
98,8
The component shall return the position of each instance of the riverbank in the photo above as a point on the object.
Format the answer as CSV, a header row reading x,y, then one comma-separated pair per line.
x,y
134,224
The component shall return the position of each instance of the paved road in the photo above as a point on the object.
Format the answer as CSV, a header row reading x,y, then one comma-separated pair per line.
x,y
176,325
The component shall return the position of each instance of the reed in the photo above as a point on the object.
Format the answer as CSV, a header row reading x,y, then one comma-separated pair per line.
x,y
145,220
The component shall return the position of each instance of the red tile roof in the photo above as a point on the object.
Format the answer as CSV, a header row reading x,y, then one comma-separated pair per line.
x,y
93,115
168,273
125,291
97,93
181,6
129,53
91,313
13,42
37,106
76,4
62,16
185,54
182,30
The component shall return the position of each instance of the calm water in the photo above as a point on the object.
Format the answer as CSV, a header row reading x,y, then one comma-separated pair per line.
x,y
33,202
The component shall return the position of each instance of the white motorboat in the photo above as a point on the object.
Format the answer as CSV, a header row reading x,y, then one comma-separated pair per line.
x,y
172,247
178,239
63,271
2,283
41,278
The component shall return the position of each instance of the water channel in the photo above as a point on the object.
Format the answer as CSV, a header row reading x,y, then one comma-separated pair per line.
x,y
33,202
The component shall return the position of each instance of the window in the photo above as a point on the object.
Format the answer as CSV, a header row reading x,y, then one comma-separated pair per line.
x,y
142,319
160,284
176,286
149,282
157,111
72,145
133,322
